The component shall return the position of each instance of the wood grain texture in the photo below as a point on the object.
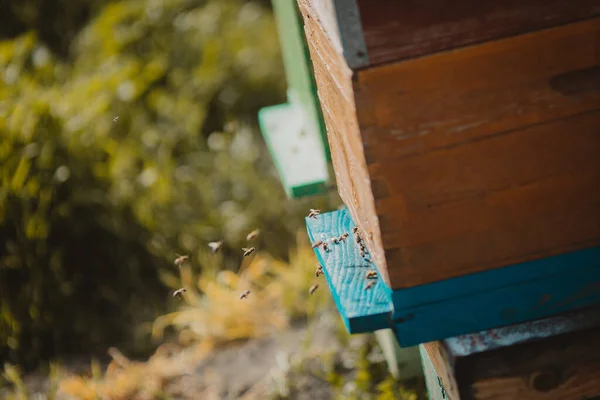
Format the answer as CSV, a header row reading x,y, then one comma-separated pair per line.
x,y
443,364
558,368
449,99
335,88
397,30
485,156
362,310
554,358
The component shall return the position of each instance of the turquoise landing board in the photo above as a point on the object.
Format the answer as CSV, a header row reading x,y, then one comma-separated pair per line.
x,y
472,303
362,310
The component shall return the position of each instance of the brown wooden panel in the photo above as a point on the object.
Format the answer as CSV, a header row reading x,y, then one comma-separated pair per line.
x,y
335,89
510,198
487,155
448,99
396,30
558,368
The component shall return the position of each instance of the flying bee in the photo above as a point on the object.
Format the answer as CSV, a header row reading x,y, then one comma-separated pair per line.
x,y
370,285
317,244
247,251
115,119
244,295
371,275
313,288
180,259
313,213
319,270
253,235
179,293
215,246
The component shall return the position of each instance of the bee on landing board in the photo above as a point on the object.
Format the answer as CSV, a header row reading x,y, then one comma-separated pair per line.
x,y
343,237
314,213
244,295
253,235
313,288
181,259
248,251
179,293
317,244
371,275
215,246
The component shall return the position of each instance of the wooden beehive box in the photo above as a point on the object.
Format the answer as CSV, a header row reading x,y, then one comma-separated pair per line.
x,y
465,136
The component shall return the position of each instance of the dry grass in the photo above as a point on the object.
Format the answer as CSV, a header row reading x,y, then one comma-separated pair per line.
x,y
211,315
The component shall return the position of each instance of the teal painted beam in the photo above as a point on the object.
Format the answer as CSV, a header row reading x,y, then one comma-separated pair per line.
x,y
362,309
472,303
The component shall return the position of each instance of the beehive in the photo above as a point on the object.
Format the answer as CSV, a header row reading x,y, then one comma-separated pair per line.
x,y
465,136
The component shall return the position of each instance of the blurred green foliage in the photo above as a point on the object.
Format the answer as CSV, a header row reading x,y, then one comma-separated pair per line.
x,y
127,133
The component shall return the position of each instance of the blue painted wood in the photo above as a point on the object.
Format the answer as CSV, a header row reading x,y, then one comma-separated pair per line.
x,y
472,303
473,343
344,269
526,301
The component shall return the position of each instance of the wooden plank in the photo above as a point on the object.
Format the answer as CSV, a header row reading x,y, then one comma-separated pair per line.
x,y
452,98
554,358
363,310
292,144
335,88
561,367
441,364
396,30
469,159
528,194
495,305
471,303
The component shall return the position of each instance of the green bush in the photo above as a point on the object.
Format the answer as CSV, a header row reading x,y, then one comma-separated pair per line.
x,y
139,141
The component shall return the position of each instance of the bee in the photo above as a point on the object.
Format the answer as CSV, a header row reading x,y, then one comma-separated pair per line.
x,y
325,246
335,240
244,295
362,253
370,285
343,237
313,213
355,230
357,238
253,235
115,119
319,270
181,259
317,244
215,246
179,293
313,288
371,275
247,251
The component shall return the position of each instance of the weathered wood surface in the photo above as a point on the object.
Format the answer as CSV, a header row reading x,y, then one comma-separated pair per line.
x,y
335,89
484,156
363,310
397,30
556,358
